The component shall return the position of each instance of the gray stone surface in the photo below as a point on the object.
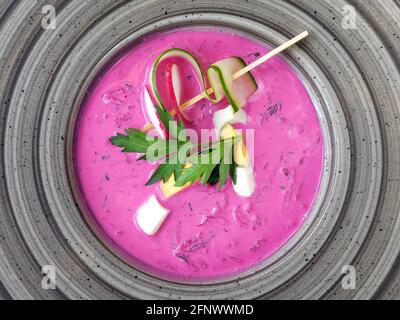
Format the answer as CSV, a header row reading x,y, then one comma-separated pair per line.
x,y
353,76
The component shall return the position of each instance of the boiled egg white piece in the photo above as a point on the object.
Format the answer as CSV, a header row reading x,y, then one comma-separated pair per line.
x,y
227,115
151,215
245,183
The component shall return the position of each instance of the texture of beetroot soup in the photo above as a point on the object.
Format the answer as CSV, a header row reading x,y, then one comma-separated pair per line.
x,y
218,233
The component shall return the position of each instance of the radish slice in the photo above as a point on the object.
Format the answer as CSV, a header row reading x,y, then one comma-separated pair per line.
x,y
174,90
174,78
152,114
236,91
152,97
176,83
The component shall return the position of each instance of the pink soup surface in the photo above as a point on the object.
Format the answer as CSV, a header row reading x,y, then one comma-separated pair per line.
x,y
219,234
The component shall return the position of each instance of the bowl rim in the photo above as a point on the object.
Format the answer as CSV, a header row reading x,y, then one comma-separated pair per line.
x,y
250,29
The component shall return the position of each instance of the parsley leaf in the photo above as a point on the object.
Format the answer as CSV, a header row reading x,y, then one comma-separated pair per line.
x,y
207,174
134,141
211,164
232,172
214,177
224,167
163,172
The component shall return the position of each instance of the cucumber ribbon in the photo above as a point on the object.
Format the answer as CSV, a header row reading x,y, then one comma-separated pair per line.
x,y
236,91
173,79
219,76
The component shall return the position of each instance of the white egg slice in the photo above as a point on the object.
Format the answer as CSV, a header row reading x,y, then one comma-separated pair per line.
x,y
151,215
227,115
152,114
245,183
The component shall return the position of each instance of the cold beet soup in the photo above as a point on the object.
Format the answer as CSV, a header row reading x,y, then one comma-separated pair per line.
x,y
178,217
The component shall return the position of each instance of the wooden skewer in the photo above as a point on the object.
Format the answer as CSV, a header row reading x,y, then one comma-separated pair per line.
x,y
238,74
196,99
270,54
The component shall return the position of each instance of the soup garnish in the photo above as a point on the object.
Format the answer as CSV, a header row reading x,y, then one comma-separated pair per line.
x,y
182,162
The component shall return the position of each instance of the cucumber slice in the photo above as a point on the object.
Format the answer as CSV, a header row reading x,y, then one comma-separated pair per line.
x,y
236,91
171,53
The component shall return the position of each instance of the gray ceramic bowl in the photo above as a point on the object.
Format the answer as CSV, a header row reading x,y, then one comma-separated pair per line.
x,y
352,75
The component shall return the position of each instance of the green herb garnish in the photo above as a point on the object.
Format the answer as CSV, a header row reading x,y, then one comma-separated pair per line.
x,y
211,163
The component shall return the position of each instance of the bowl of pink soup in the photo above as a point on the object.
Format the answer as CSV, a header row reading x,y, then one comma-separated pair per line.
x,y
204,239
307,197
208,234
